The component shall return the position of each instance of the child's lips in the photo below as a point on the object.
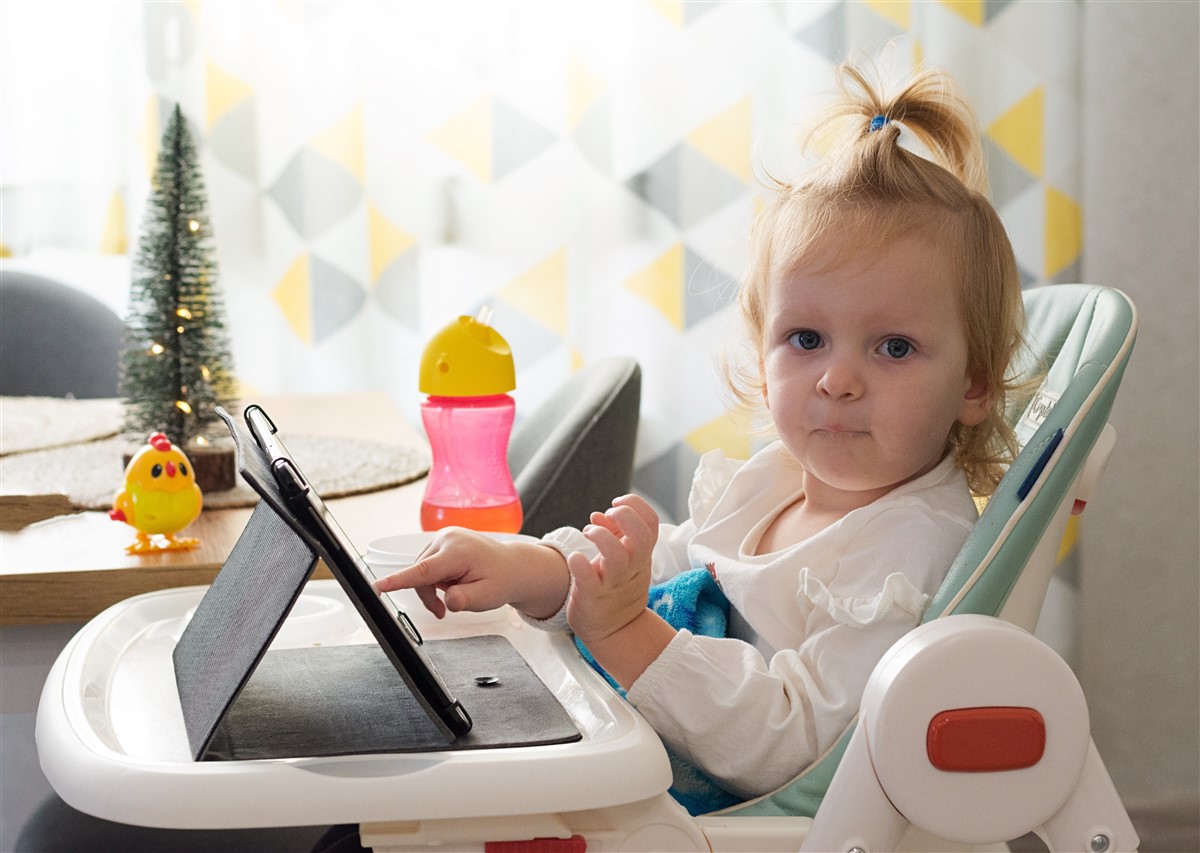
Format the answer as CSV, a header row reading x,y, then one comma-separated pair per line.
x,y
841,430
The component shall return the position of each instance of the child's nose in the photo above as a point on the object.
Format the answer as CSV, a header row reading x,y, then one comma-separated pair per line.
x,y
841,380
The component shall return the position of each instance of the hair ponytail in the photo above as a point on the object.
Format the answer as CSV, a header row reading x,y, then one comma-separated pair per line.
x,y
862,133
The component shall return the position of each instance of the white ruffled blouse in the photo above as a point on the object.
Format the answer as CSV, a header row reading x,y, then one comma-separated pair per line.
x,y
807,623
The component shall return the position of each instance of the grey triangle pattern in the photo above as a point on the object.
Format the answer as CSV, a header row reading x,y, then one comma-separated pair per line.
x,y
516,139
992,8
1006,178
314,193
234,140
667,480
659,184
593,135
694,10
530,341
397,293
336,298
161,19
706,288
867,29
704,187
827,34
1028,279
1070,274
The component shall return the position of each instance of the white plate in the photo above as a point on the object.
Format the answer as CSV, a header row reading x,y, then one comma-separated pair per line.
x,y
392,553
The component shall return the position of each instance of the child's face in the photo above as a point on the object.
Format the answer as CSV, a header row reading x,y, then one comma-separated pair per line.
x,y
865,364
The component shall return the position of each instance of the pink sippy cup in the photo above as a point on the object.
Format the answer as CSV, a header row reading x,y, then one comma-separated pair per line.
x,y
467,371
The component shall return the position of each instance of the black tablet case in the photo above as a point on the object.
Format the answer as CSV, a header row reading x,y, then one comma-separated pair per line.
x,y
241,701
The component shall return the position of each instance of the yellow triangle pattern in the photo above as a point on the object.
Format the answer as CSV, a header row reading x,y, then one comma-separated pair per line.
x,y
541,293
115,239
292,295
970,11
387,242
5,252
726,139
672,10
899,12
343,143
1064,231
467,137
661,284
1070,539
730,432
576,358
1020,131
224,91
583,89
148,137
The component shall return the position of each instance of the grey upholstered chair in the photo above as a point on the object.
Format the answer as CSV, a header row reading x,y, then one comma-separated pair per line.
x,y
56,341
574,453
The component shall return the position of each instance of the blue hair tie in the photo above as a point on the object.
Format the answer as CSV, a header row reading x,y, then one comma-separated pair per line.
x,y
877,123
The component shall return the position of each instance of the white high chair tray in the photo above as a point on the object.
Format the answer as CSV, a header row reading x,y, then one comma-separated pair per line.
x,y
111,737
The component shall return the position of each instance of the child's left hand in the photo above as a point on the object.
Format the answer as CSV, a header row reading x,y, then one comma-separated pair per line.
x,y
611,590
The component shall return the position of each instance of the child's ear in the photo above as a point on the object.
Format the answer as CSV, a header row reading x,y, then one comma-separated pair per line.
x,y
976,404
762,381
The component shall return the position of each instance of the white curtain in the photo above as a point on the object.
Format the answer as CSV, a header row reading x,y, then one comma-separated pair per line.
x,y
585,168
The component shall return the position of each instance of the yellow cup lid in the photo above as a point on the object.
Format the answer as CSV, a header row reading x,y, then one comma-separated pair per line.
x,y
467,358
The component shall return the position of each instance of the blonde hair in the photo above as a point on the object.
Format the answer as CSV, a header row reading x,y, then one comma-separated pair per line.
x,y
869,185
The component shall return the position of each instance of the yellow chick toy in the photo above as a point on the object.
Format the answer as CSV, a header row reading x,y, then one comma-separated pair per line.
x,y
160,497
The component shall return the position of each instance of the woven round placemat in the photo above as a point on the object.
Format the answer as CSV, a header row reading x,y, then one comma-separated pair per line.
x,y
90,474
38,423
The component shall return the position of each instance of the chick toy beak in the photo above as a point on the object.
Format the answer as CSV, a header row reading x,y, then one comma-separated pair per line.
x,y
170,469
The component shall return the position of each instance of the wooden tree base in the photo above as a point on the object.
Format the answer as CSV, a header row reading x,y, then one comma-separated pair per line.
x,y
215,467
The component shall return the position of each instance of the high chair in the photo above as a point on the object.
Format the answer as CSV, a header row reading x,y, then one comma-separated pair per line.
x,y
971,731
970,674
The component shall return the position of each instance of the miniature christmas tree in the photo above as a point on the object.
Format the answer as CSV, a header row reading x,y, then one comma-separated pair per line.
x,y
176,366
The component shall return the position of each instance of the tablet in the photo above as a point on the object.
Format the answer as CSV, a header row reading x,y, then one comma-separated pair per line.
x,y
395,632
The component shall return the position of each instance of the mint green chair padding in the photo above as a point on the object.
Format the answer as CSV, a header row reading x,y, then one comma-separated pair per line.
x,y
1080,337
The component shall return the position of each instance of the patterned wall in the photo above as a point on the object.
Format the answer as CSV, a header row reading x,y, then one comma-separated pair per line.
x,y
588,169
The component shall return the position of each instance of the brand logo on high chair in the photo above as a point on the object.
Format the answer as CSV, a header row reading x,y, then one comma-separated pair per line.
x,y
1041,406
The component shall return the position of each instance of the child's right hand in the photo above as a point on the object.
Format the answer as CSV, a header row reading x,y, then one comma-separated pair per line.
x,y
477,573
611,589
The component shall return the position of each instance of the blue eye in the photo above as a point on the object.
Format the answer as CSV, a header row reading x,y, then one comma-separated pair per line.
x,y
805,339
896,347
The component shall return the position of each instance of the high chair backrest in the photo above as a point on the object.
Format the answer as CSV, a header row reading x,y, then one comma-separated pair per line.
x,y
1082,335
1079,337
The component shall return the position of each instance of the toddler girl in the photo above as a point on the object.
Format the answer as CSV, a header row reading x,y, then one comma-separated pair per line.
x,y
882,305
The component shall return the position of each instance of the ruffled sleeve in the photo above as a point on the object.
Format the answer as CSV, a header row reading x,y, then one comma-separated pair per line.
x,y
712,477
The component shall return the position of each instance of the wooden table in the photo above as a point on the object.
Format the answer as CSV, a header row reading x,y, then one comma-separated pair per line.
x,y
69,568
